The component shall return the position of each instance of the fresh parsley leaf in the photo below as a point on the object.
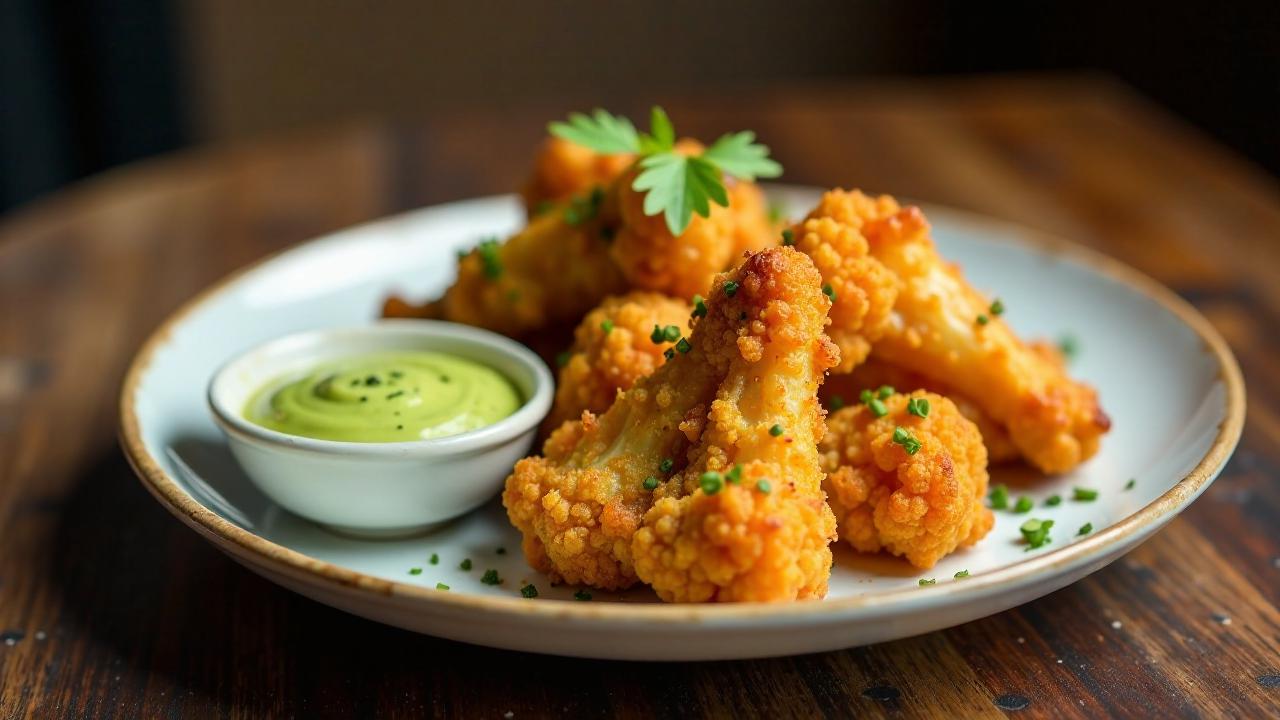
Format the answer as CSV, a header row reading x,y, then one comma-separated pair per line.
x,y
662,135
738,155
601,131
677,186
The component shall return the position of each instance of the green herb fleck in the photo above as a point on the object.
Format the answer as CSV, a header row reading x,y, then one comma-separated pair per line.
x,y
584,209
918,407
1035,532
435,559
884,392
788,238
1023,505
1069,346
1084,494
835,402
441,586
999,497
734,475
711,482
776,430
582,596
666,465
877,407
650,483
657,336
501,551
997,308
607,326
683,346
1085,529
928,581
983,319
671,333
465,564
909,443
829,291
488,250
1130,485
394,395
699,306
1053,500
731,288
961,575
529,591
415,571
669,353
490,577
764,486
562,358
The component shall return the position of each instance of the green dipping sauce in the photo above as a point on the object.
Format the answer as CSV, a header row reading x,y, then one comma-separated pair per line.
x,y
386,397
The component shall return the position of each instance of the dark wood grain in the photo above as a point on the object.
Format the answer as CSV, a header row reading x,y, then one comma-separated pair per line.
x,y
111,608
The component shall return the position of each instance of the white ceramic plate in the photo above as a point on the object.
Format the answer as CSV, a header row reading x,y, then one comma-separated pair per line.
x,y
1167,379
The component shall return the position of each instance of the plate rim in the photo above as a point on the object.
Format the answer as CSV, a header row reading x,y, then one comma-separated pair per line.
x,y
1098,546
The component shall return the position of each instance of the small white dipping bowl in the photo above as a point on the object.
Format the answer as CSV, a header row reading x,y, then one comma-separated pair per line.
x,y
389,489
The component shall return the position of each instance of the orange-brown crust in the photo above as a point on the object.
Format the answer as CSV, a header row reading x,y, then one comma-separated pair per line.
x,y
563,170
602,362
921,507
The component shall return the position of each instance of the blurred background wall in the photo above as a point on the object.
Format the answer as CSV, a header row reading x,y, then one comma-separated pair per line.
x,y
89,84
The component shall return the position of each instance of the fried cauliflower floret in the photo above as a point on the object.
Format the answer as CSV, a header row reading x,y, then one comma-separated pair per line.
x,y
612,349
943,329
747,519
920,506
563,170
652,258
874,374
862,289
579,505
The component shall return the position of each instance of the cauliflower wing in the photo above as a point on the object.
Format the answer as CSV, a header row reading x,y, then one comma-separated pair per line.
x,y
875,373
747,519
612,349
563,170
920,505
943,329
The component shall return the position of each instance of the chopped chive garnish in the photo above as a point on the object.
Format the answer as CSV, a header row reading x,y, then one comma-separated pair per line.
x,y
776,430
670,333
607,326
1085,529
829,291
928,581
1036,532
666,465
1024,504
683,346
731,288
960,575
465,564
999,497
699,306
865,397
734,475
657,335
669,353
415,571
712,482
1084,494
582,596
562,358
997,308
489,260
651,483
490,577
918,407
373,381
983,319
501,551
877,408
394,395
441,586
835,402
1129,485
435,559
788,238
529,591
764,486
884,392
1053,500
909,443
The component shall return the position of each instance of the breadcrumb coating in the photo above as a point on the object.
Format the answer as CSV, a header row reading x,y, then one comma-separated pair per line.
x,y
763,533
875,373
563,170
944,329
922,506
612,349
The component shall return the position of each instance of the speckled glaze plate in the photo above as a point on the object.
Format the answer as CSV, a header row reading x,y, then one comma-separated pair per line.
x,y
1166,377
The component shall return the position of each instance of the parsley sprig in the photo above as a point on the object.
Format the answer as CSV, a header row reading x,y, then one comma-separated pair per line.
x,y
675,185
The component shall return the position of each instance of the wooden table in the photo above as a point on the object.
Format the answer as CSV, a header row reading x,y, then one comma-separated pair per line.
x,y
109,607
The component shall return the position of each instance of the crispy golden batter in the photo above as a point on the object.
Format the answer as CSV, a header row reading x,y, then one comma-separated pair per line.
x,y
920,506
935,330
764,534
603,361
563,170
875,373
